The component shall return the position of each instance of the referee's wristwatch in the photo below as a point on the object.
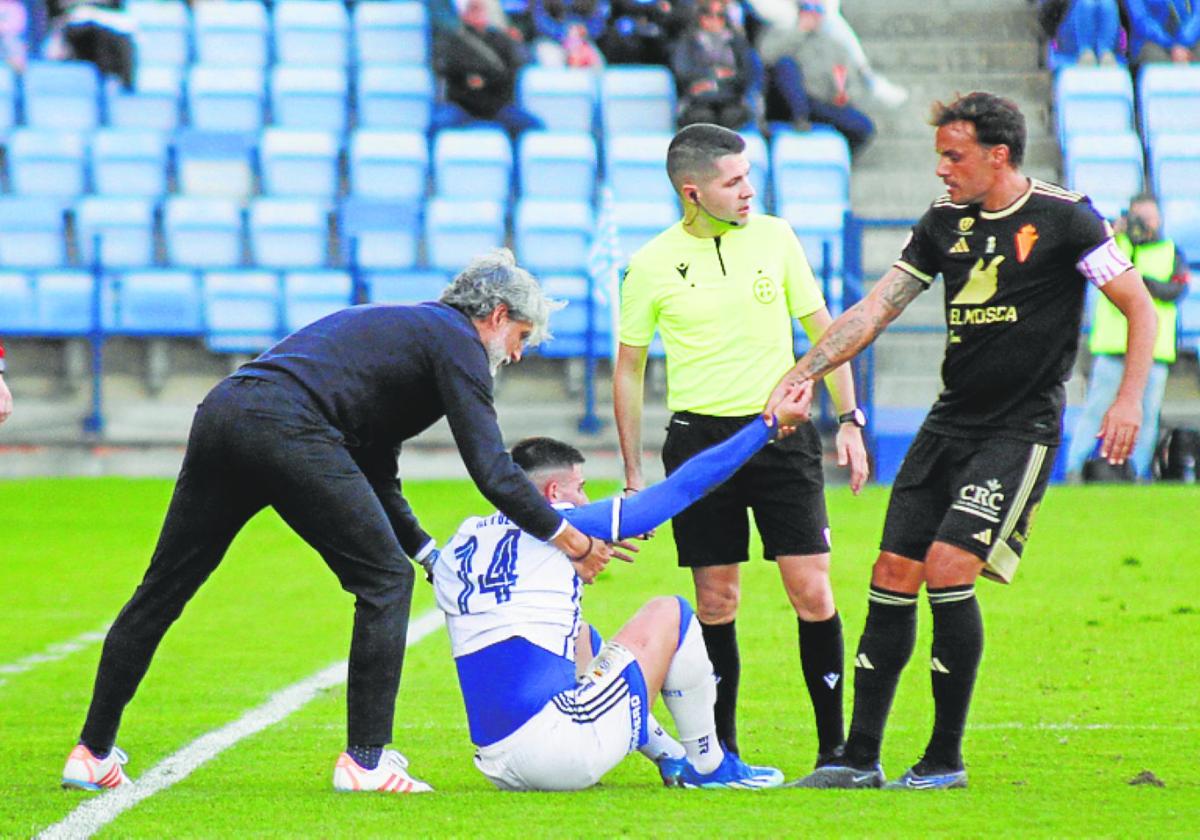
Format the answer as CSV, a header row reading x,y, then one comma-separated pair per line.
x,y
854,416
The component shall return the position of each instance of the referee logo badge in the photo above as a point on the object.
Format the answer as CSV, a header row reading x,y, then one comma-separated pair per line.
x,y
764,289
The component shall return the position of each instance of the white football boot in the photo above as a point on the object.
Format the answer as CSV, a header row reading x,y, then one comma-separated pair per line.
x,y
86,772
390,776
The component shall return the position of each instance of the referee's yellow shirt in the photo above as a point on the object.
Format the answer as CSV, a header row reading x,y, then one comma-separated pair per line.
x,y
724,308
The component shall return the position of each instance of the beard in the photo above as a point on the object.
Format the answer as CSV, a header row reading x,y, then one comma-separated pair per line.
x,y
497,354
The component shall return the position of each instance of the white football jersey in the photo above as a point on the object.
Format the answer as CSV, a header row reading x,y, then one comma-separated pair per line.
x,y
494,581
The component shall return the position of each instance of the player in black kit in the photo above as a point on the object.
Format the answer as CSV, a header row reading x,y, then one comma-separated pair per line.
x,y
1015,254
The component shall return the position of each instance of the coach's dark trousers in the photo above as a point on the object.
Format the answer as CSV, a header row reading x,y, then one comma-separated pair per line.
x,y
253,444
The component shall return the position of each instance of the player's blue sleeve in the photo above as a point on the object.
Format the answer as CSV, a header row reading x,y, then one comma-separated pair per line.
x,y
618,519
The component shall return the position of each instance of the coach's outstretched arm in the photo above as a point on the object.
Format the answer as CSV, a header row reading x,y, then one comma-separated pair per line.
x,y
853,330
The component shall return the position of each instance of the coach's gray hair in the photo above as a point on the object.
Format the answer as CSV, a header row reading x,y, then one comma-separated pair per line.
x,y
495,278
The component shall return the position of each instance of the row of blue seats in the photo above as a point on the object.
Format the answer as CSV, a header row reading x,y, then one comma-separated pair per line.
x,y
1098,100
239,311
247,32
69,96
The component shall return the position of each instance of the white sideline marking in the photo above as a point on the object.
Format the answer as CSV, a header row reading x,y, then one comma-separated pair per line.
x,y
53,653
93,814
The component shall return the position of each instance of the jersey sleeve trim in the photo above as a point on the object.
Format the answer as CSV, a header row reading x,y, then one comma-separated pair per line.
x,y
908,268
1103,263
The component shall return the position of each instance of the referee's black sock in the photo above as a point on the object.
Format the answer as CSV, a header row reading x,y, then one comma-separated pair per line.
x,y
883,651
367,757
822,657
721,641
954,662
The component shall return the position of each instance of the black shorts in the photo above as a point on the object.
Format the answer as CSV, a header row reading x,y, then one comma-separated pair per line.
x,y
977,494
783,484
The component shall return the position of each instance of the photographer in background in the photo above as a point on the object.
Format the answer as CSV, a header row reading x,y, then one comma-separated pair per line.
x,y
1164,271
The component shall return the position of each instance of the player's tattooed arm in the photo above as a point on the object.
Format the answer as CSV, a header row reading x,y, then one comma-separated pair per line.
x,y
857,327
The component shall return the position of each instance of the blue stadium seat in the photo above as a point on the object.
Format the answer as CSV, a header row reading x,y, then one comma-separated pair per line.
x,y
635,167
18,306
405,287
153,103
1092,100
64,302
384,234
309,97
640,221
1107,167
1169,95
225,98
563,98
8,99
242,310
759,157
636,99
394,97
557,164
125,227
815,225
311,295
33,232
811,167
299,163
129,162
569,329
388,164
1181,222
46,162
62,95
1175,166
164,32
288,233
455,231
552,235
311,32
215,163
231,34
202,232
391,32
161,302
472,163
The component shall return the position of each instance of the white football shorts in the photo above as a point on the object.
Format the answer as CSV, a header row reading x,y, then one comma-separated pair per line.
x,y
579,735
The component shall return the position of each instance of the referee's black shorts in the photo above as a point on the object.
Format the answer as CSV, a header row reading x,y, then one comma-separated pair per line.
x,y
783,484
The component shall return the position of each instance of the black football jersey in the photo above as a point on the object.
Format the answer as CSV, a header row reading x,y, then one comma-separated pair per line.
x,y
1014,307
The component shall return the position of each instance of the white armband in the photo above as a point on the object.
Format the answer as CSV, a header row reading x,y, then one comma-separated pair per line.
x,y
1103,263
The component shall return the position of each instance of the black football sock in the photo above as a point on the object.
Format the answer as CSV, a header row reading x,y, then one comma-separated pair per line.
x,y
822,657
98,752
721,641
883,651
953,663
367,757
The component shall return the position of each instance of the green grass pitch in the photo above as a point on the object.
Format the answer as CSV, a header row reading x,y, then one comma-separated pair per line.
x,y
1091,675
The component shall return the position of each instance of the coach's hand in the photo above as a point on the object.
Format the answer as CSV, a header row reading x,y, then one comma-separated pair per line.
x,y
625,549
1119,430
592,563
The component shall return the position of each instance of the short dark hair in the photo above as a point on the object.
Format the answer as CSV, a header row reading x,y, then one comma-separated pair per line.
x,y
539,453
1144,198
997,121
694,151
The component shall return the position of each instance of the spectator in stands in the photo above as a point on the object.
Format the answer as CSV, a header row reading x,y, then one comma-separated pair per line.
x,y
814,78
6,404
642,31
566,32
14,22
1163,30
1086,32
781,14
479,61
716,71
97,31
1165,273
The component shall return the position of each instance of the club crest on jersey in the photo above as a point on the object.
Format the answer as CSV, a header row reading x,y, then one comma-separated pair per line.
x,y
1025,239
764,289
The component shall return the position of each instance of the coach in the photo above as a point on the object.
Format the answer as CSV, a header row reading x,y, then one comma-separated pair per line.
x,y
313,428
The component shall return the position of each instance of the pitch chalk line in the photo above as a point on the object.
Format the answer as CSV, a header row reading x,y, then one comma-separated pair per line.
x,y
52,653
94,814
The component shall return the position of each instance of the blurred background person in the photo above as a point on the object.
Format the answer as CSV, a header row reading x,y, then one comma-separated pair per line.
x,y
1163,30
716,71
98,31
1083,31
566,32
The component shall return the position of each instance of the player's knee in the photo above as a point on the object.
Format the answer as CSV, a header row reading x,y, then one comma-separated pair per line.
x,y
717,604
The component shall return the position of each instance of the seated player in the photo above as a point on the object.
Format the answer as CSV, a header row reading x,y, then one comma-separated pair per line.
x,y
512,603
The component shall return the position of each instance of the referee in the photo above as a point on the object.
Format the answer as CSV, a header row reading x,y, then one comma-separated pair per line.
x,y
313,428
722,286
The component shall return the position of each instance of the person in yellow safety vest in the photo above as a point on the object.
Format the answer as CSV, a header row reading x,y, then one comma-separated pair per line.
x,y
1164,270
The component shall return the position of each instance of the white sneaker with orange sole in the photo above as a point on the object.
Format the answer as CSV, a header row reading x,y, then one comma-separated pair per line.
x,y
390,776
86,772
